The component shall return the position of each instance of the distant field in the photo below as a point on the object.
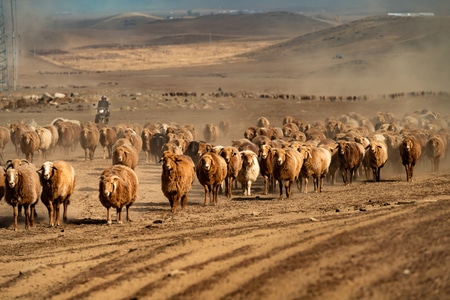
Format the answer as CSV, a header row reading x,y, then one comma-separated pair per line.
x,y
115,59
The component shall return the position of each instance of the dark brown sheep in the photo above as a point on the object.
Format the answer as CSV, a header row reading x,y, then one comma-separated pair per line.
x,y
211,171
234,165
178,174
265,157
410,152
350,158
118,188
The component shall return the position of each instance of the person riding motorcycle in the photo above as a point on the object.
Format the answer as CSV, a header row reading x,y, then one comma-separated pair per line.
x,y
103,109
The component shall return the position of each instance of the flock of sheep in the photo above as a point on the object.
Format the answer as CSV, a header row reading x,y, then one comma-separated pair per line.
x,y
288,155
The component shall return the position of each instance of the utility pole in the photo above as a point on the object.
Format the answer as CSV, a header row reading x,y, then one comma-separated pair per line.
x,y
15,50
4,72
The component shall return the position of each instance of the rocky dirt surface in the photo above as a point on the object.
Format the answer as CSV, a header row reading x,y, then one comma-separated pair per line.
x,y
385,240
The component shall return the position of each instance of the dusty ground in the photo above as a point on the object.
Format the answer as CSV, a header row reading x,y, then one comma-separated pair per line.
x,y
386,240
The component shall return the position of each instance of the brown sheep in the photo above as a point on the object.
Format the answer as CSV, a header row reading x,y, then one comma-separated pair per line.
x,y
410,152
134,138
107,139
287,165
224,127
66,135
211,171
435,149
234,165
210,133
89,138
350,158
316,163
249,172
22,187
58,183
16,131
118,188
29,143
178,174
375,158
265,157
4,139
2,182
125,155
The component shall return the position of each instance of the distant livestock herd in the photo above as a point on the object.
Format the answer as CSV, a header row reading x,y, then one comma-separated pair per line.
x,y
287,155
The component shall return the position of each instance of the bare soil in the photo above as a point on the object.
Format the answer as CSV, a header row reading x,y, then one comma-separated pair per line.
x,y
369,240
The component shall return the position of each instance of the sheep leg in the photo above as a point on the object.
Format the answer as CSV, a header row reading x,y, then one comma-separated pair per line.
x,y
306,185
66,204
85,154
119,215
206,194
51,222
16,216
249,188
184,200
287,188
215,193
32,211
128,213
108,216
175,201
27,216
280,184
56,213
266,185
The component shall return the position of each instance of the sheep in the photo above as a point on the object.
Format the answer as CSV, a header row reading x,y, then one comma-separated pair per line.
x,y
376,157
2,182
29,143
196,149
265,159
22,187
45,141
107,139
178,174
211,171
16,131
350,158
66,135
287,165
234,164
172,147
4,139
134,138
210,133
58,183
125,155
118,186
146,136
316,163
410,152
249,171
435,150
224,127
157,142
54,131
89,139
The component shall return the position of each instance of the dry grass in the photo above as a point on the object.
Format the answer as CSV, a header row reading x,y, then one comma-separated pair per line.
x,y
153,57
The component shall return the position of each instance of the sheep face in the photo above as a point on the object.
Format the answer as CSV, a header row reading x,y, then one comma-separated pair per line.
x,y
121,154
206,162
280,156
109,185
407,145
47,170
264,151
11,177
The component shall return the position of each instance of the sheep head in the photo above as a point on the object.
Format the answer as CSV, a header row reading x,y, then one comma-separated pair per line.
x,y
47,169
109,184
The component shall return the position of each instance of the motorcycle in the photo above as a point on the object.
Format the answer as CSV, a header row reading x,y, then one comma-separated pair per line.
x,y
102,116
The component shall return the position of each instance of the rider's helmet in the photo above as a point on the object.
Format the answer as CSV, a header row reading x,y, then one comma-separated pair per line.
x,y
103,97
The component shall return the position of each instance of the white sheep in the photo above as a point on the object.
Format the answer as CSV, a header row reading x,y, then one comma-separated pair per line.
x,y
58,183
46,138
249,171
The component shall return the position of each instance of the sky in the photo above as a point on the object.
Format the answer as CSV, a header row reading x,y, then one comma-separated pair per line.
x,y
117,6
